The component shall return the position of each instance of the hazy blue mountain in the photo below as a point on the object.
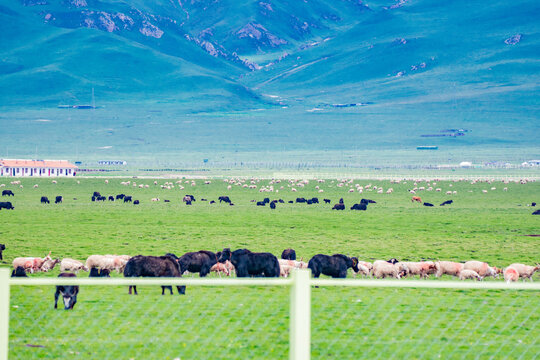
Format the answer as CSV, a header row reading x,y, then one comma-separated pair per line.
x,y
272,76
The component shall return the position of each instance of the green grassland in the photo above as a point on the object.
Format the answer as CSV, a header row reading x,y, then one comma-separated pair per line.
x,y
252,322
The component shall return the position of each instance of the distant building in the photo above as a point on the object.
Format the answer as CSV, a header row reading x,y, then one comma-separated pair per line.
x,y
465,164
38,168
531,163
112,162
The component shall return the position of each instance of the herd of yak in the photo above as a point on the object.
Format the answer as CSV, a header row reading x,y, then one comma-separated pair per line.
x,y
253,264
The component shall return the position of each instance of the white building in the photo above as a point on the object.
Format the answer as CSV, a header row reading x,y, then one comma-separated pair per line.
x,y
39,168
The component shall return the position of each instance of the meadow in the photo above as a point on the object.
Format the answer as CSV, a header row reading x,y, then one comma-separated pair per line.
x,y
225,322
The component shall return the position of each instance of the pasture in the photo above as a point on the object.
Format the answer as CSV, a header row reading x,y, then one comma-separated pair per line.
x,y
252,322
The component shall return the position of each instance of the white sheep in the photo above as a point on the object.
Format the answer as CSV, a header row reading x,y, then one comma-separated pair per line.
x,y
382,269
469,274
482,268
511,274
68,264
525,271
448,268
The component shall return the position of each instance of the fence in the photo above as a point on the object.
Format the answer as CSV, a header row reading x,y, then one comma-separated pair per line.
x,y
247,318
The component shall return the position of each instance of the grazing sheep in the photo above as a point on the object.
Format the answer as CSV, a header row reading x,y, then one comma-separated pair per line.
x,y
469,274
448,268
69,293
525,271
48,265
422,269
68,264
30,263
482,268
110,262
225,268
382,269
511,274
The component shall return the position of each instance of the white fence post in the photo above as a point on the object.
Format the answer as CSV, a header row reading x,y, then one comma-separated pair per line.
x,y
300,326
4,313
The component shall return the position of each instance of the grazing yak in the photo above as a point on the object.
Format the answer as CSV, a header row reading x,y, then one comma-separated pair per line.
x,y
301,200
111,198
128,199
19,272
68,292
196,262
6,205
2,248
335,266
136,202
225,199
327,201
96,194
58,199
537,212
154,266
45,200
272,205
261,203
360,206
7,193
288,254
120,196
248,263
428,204
447,202
339,207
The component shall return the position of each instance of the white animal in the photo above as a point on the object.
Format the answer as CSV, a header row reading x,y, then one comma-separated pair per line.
x,y
68,264
469,274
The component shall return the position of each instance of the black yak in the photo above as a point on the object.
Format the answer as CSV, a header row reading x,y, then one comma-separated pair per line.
x,y
154,266
6,205
197,262
335,266
288,254
7,193
19,272
45,200
339,206
248,263
2,248
69,293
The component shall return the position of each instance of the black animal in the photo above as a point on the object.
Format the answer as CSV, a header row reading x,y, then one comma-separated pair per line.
x,y
93,198
192,197
111,198
392,261
291,202
120,196
281,201
428,204
300,200
128,199
45,200
165,200
447,202
94,272
315,200
367,201
19,272
533,204
2,248
58,199
204,199
136,202
341,201
335,266
212,202
154,266
96,194
272,205
537,212
261,203
197,262
339,207
69,293
105,273
6,205
309,201
327,201
101,198
7,193
288,254
248,263
360,206
188,202
225,199
266,200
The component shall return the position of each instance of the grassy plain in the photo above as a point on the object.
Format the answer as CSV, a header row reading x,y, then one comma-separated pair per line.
x,y
253,322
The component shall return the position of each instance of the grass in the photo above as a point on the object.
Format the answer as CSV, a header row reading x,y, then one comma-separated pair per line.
x,y
253,322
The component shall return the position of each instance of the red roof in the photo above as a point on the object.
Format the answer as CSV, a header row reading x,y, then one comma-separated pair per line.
x,y
37,163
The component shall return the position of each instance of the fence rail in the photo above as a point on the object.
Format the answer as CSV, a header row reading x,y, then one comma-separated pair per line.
x,y
300,284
